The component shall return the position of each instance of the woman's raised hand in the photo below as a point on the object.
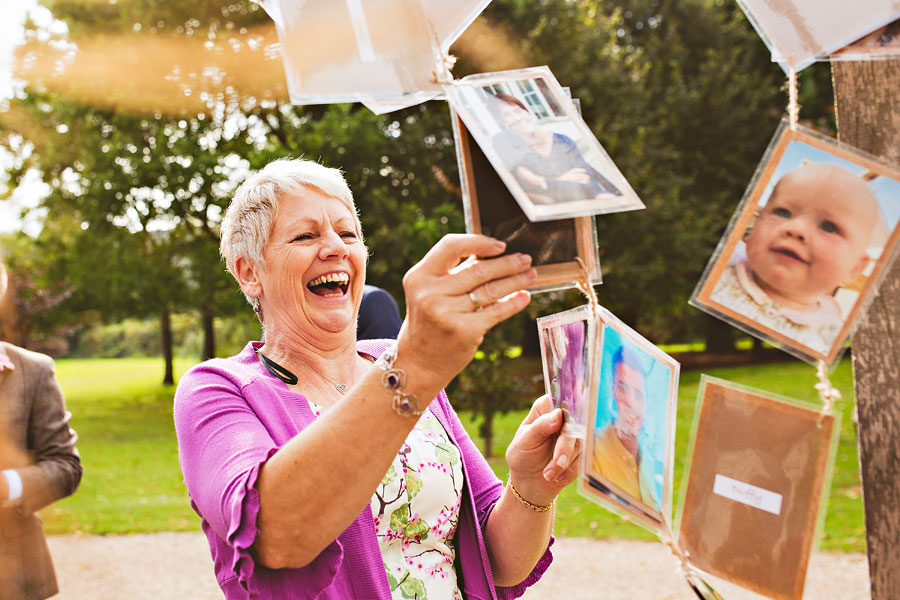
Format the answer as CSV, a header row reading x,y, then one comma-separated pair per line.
x,y
542,462
450,305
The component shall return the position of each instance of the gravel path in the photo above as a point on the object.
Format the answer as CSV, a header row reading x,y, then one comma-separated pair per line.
x,y
178,566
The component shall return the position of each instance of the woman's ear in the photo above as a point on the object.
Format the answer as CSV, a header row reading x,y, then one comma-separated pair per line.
x,y
247,275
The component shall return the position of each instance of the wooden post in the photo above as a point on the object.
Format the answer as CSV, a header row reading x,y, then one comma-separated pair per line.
x,y
867,99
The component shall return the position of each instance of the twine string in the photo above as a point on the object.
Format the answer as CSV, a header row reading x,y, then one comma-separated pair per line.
x,y
793,102
443,64
827,392
584,284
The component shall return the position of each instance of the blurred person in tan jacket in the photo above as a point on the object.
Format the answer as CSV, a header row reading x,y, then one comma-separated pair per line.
x,y
38,465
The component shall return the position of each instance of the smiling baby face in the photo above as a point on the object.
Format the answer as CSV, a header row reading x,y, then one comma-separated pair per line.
x,y
812,235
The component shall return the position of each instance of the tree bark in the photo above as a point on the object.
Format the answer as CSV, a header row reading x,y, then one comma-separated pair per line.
x,y
165,323
719,336
868,116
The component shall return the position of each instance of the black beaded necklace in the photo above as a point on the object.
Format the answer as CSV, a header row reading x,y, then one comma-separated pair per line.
x,y
277,370
286,376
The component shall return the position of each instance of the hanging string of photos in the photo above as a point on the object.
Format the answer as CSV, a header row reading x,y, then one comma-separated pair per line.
x,y
799,263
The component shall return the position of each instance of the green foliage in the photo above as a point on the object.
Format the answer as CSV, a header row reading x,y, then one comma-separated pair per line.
x,y
140,338
126,438
494,383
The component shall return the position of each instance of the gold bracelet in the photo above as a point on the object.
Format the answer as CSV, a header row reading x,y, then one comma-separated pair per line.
x,y
534,507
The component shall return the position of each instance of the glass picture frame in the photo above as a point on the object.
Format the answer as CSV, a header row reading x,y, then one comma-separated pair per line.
x,y
798,32
566,341
805,289
883,43
627,464
556,247
537,142
379,53
755,487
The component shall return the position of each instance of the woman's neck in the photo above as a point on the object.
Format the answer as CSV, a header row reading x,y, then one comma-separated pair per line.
x,y
335,364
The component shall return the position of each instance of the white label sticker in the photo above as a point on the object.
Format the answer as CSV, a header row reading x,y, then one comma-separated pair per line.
x,y
747,494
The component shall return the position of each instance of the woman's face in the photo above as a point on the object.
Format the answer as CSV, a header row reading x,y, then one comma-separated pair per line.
x,y
315,267
517,119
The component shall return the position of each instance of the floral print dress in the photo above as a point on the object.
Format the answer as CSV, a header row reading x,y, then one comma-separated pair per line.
x,y
416,511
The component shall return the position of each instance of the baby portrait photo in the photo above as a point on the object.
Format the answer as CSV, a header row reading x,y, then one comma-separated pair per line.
x,y
535,138
630,444
566,342
807,246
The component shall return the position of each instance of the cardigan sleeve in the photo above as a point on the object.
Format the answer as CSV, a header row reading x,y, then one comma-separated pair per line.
x,y
486,490
222,445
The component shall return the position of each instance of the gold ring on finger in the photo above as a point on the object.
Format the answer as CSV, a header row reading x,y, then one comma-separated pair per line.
x,y
478,306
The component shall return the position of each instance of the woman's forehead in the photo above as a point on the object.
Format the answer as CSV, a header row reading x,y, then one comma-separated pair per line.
x,y
312,205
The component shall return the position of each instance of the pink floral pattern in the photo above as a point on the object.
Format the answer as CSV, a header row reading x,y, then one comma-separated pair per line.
x,y
416,511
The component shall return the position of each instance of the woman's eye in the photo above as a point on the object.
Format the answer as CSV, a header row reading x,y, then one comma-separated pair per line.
x,y
350,235
829,227
303,237
782,212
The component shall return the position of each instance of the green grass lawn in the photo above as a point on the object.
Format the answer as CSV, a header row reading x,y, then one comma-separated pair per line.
x,y
132,482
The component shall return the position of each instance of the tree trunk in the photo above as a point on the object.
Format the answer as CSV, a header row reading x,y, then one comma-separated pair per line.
x,y
165,322
487,430
209,333
868,115
719,336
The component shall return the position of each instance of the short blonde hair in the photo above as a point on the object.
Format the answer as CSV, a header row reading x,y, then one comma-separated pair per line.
x,y
254,208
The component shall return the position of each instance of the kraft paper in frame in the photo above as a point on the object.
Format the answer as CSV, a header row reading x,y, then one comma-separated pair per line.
x,y
755,487
733,285
797,32
490,209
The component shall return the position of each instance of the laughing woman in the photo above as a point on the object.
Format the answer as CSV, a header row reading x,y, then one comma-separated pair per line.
x,y
323,467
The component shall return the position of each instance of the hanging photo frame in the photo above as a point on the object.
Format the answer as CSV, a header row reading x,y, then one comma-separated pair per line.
x,y
798,32
379,53
627,464
880,44
567,341
537,142
755,487
807,247
554,246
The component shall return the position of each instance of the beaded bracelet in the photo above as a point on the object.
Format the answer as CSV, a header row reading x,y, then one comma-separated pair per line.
x,y
534,507
394,378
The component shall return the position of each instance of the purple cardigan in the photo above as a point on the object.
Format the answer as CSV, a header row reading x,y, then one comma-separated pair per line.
x,y
231,415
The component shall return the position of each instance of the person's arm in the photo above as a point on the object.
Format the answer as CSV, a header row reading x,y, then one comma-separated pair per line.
x,y
541,464
56,471
314,486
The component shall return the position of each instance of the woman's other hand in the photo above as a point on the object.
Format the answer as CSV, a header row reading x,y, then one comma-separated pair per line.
x,y
542,462
451,305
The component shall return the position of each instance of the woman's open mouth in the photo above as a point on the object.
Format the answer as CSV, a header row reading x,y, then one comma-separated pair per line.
x,y
330,286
